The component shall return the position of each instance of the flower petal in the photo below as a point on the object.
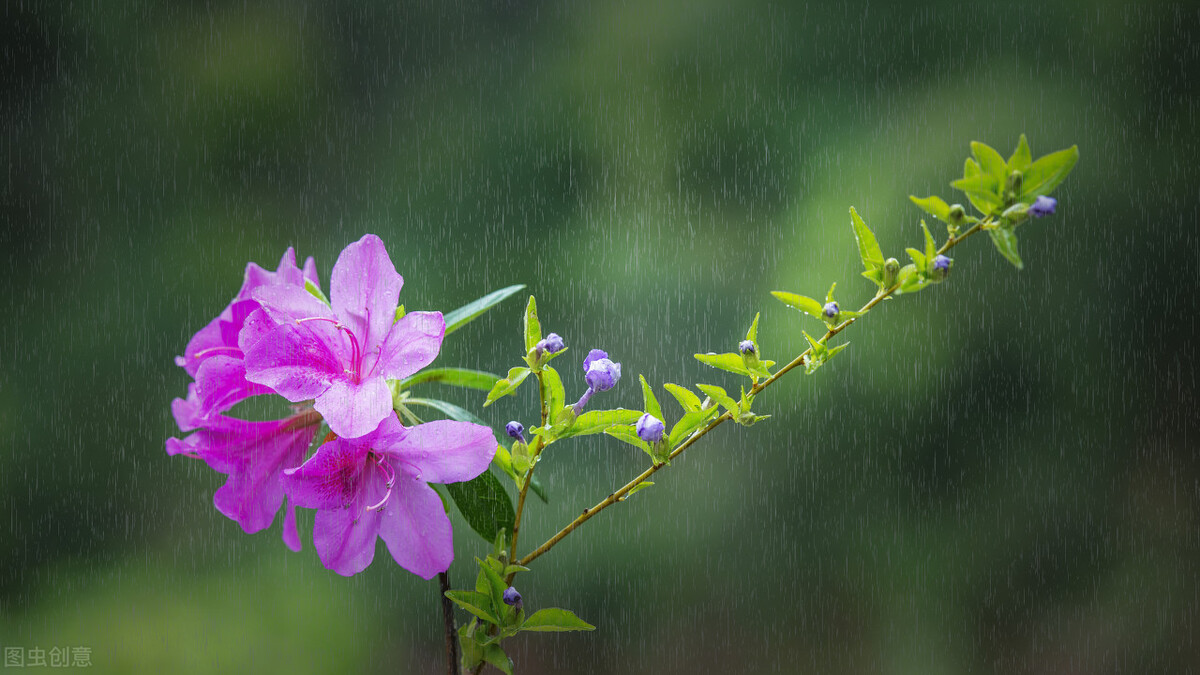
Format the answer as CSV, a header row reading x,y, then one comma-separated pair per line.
x,y
354,409
416,529
364,290
331,479
291,533
294,361
253,494
412,343
444,451
345,538
288,303
221,383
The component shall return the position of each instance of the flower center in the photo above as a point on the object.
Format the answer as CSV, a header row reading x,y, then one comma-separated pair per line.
x,y
355,354
389,475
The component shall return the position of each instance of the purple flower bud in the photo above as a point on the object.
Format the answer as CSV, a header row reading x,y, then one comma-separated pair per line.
x,y
602,374
592,356
551,344
941,263
831,310
512,598
1042,206
650,428
746,347
516,430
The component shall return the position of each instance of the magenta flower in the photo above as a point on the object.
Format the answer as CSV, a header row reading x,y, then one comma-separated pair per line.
x,y
253,455
214,355
341,354
376,485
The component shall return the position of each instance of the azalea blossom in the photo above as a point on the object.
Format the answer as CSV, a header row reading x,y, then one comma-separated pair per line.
x,y
214,355
343,353
376,485
253,455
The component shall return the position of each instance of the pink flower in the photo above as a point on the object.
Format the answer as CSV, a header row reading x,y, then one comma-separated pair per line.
x,y
341,354
214,355
376,485
253,455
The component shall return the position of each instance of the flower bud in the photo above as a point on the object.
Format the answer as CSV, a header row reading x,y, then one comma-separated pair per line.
x,y
831,311
602,374
515,430
650,428
891,270
1014,180
551,344
957,214
940,268
746,347
1042,206
512,598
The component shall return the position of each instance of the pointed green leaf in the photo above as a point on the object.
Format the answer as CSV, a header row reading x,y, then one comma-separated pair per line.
x,y
971,168
688,424
484,504
834,350
934,206
627,434
468,312
982,191
315,291
457,377
731,362
910,280
1048,172
1021,157
918,259
596,421
803,303
930,247
649,401
508,385
752,334
555,619
868,247
687,400
494,655
552,389
636,488
494,585
989,160
533,327
1006,242
474,602
718,394
817,346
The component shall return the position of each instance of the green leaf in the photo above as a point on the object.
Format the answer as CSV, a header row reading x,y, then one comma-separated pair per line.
x,y
930,247
596,421
533,327
688,424
315,291
918,259
910,280
718,394
457,377
508,385
468,312
399,314
636,488
731,362
934,206
752,334
1006,242
1048,172
817,346
494,655
982,191
971,168
990,161
474,602
868,247
649,401
493,585
554,619
829,295
484,504
552,389
800,302
627,434
687,400
1021,157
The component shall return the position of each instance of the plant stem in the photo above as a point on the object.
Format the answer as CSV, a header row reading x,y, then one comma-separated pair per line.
x,y
451,633
535,450
624,490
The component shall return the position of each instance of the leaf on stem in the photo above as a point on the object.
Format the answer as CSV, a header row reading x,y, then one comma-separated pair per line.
x,y
470,311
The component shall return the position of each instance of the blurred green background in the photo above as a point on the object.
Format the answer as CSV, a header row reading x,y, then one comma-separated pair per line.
x,y
999,475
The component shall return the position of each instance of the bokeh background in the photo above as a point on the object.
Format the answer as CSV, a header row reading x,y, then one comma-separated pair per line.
x,y
998,476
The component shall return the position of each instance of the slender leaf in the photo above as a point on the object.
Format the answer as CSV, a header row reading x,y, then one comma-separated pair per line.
x,y
649,401
552,389
596,421
731,362
627,434
989,160
1006,242
803,303
457,377
1048,172
555,619
930,246
533,327
688,424
468,312
508,385
474,602
1021,157
494,655
934,206
718,394
752,334
868,247
687,400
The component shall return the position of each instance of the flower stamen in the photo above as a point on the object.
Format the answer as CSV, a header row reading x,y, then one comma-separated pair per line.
x,y
390,475
355,355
